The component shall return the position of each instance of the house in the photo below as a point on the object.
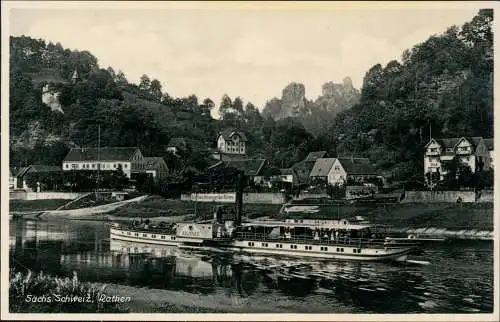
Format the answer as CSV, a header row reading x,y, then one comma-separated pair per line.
x,y
338,171
355,170
322,169
156,166
302,169
253,169
130,160
19,178
491,149
472,151
288,175
232,142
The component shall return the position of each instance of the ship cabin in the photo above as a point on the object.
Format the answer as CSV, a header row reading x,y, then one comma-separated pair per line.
x,y
340,231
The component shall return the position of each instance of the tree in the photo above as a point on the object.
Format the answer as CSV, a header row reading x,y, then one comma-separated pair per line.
x,y
120,78
155,89
225,106
145,83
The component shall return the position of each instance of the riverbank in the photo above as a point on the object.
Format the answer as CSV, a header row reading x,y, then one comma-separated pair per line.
x,y
453,217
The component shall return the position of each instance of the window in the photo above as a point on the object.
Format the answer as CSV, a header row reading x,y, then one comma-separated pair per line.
x,y
172,237
114,165
128,233
433,149
144,235
93,165
251,244
74,166
153,236
162,237
338,249
67,166
337,168
136,234
342,250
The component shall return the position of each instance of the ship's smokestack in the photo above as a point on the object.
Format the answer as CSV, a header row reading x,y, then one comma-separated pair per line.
x,y
239,198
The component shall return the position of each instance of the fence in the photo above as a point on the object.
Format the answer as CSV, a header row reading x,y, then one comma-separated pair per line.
x,y
25,195
439,196
230,197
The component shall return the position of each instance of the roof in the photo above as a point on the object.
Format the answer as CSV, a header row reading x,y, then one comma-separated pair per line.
x,y
357,166
452,142
102,154
227,134
322,167
313,156
251,167
152,163
37,168
489,144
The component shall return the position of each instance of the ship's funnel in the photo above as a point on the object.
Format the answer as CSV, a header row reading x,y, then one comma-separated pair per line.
x,y
239,198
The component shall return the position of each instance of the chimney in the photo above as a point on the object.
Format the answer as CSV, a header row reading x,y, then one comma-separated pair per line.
x,y
239,198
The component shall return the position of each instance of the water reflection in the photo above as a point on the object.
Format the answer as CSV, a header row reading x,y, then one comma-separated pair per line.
x,y
459,278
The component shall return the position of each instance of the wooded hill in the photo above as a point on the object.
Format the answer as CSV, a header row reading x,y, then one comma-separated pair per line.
x,y
445,83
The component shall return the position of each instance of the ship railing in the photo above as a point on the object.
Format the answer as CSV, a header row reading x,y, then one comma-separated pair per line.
x,y
360,242
157,230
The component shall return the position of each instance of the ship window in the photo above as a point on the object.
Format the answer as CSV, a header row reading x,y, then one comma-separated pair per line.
x,y
249,244
172,237
291,246
144,235
162,237
341,250
354,250
128,233
326,249
338,249
123,233
153,236
277,245
359,250
136,234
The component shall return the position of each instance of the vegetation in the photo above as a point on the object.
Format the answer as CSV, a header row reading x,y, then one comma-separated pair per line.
x,y
443,85
440,215
40,293
159,207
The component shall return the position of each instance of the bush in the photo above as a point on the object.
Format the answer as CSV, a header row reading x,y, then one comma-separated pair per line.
x,y
49,291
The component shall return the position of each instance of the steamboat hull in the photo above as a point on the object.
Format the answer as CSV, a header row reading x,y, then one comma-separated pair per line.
x,y
281,248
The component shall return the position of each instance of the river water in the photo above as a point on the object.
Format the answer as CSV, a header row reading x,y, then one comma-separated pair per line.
x,y
457,279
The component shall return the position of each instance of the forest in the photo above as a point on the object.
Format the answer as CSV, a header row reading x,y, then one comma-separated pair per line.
x,y
442,87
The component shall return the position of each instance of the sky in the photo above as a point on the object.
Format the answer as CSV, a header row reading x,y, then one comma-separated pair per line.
x,y
250,51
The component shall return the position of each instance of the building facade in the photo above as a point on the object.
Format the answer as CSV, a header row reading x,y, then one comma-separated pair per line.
x,y
129,160
342,171
156,167
232,142
471,151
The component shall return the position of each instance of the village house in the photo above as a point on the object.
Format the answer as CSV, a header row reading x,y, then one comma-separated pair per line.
x,y
232,142
472,151
156,166
342,171
130,160
253,169
18,178
302,169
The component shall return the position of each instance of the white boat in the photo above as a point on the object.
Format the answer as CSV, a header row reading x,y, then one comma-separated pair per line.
x,y
329,239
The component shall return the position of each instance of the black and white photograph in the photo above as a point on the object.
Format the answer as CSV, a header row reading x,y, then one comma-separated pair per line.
x,y
248,160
